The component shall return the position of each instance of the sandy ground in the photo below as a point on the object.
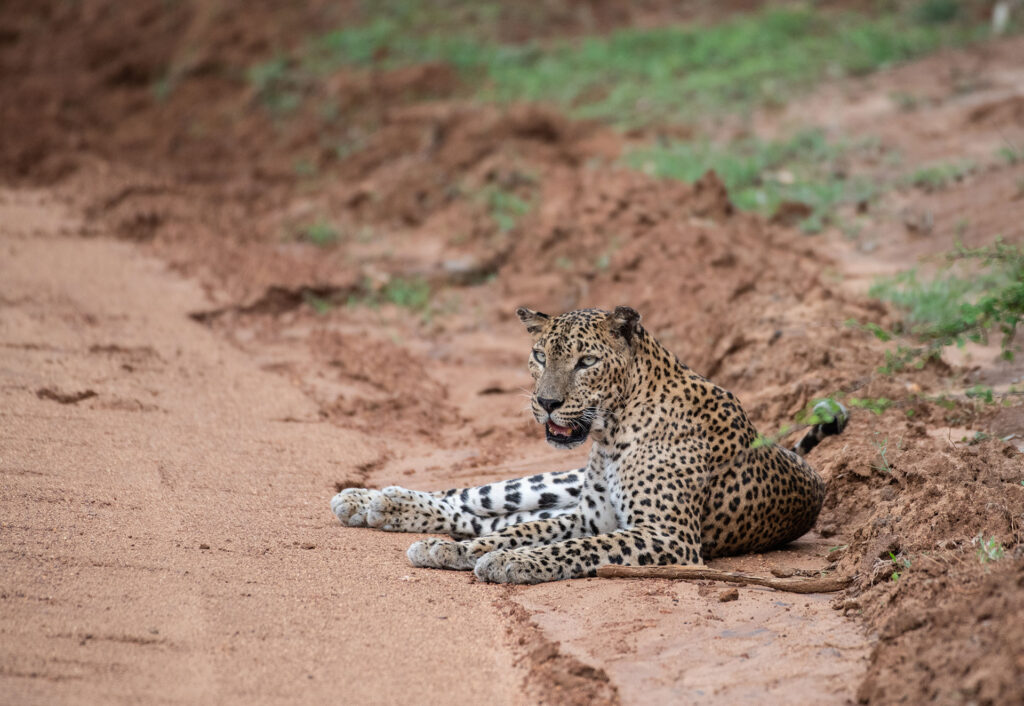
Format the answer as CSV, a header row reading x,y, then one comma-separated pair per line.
x,y
167,536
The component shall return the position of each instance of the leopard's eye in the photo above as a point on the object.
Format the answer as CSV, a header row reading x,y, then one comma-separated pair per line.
x,y
538,355
586,361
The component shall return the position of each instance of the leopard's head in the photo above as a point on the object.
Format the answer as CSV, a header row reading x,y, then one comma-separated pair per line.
x,y
580,362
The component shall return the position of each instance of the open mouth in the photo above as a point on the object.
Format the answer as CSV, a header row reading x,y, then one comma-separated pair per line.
x,y
566,436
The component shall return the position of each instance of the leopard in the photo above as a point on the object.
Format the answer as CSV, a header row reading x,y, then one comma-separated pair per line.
x,y
676,473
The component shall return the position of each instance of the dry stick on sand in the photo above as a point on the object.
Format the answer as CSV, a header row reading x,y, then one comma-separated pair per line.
x,y
828,584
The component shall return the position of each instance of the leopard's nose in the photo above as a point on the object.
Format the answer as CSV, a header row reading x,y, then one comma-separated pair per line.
x,y
549,405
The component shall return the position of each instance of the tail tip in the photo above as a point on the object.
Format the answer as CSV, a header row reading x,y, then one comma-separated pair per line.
x,y
834,418
835,414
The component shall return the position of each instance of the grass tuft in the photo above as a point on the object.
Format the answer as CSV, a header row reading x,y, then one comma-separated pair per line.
x,y
320,233
760,175
409,292
505,207
276,86
954,308
938,176
990,549
413,293
937,11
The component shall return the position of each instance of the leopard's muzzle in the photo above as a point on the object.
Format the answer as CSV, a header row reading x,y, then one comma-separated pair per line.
x,y
567,437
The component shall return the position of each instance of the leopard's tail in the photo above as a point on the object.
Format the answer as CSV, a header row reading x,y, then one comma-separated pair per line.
x,y
839,417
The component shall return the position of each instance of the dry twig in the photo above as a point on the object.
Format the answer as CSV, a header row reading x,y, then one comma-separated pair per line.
x,y
825,584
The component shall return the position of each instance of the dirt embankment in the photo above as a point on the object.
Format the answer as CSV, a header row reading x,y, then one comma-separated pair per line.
x,y
207,180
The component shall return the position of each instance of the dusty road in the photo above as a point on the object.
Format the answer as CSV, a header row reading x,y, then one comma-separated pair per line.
x,y
166,535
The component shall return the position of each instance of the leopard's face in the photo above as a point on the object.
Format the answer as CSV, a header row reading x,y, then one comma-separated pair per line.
x,y
580,363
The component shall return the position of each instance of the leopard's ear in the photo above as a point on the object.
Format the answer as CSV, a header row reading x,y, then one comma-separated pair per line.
x,y
534,320
624,322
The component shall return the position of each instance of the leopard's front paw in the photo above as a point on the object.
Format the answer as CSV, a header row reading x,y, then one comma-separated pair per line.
x,y
397,509
511,566
351,505
434,553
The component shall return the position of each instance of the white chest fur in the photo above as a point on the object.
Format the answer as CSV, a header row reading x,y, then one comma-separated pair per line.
x,y
613,485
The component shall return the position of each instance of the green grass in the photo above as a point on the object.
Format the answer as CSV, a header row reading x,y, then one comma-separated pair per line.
x,y
278,87
164,87
928,303
959,305
413,293
990,549
899,562
630,76
883,448
645,76
875,405
981,392
760,175
505,208
304,168
938,176
321,233
318,304
981,291
1011,154
409,292
937,11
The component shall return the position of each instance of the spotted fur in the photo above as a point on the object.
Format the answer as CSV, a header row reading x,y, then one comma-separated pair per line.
x,y
674,474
